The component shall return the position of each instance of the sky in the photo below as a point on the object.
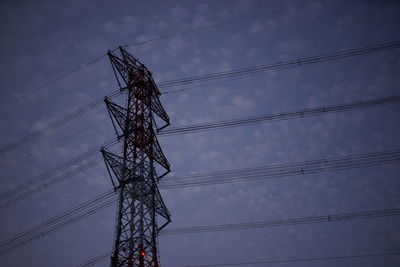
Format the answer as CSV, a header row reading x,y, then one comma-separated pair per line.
x,y
53,62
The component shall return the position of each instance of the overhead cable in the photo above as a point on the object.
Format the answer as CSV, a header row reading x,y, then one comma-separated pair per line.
x,y
286,260
107,255
58,78
53,125
291,63
37,184
246,18
263,172
284,222
80,67
202,78
280,116
45,180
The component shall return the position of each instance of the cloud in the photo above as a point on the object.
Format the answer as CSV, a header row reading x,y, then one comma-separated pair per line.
x,y
196,66
100,181
256,27
176,45
125,26
179,13
162,25
200,21
203,8
242,103
183,98
292,46
210,155
110,27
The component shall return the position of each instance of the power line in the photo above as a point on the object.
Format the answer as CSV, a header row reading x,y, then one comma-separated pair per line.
x,y
95,260
62,76
287,64
277,11
247,174
106,255
272,223
25,189
37,189
384,254
56,219
282,222
209,126
53,125
8,246
282,170
202,78
61,140
263,172
68,73
11,244
280,116
33,186
58,168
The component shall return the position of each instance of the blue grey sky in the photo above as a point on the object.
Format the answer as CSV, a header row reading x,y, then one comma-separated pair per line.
x,y
43,40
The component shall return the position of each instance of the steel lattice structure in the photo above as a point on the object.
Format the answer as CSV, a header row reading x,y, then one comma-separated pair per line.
x,y
134,176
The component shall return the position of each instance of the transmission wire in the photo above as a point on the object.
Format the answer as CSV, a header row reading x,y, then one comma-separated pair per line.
x,y
279,260
178,130
202,78
78,68
355,161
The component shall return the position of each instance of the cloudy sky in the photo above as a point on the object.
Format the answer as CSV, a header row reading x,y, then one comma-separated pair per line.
x,y
53,62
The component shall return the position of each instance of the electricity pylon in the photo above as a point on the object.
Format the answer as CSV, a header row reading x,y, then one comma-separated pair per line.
x,y
141,212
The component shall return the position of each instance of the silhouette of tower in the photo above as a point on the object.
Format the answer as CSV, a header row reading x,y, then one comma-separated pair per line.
x,y
141,212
